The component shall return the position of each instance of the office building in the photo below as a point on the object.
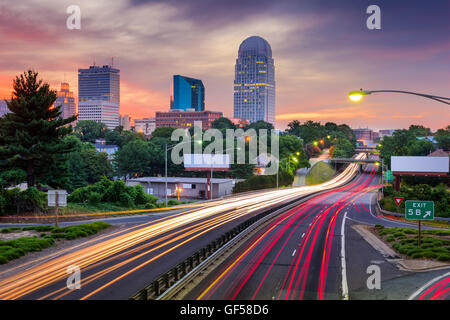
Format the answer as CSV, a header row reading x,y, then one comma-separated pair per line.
x,y
254,82
188,93
186,119
125,122
363,134
100,111
386,132
66,100
145,126
99,95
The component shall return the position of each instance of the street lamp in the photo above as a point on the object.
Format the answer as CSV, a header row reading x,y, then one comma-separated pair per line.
x,y
289,158
359,95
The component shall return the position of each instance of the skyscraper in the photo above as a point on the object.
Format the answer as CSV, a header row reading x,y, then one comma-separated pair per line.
x,y
99,95
254,82
188,93
66,100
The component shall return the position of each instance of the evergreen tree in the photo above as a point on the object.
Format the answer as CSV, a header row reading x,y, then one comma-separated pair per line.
x,y
31,135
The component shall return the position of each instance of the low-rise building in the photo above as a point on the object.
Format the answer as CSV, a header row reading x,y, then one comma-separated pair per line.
x,y
190,187
145,126
3,108
186,119
109,149
125,122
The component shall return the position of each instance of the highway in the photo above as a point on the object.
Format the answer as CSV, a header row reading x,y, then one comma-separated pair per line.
x,y
312,252
117,265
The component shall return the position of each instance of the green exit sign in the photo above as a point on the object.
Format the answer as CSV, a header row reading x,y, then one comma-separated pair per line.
x,y
388,176
419,210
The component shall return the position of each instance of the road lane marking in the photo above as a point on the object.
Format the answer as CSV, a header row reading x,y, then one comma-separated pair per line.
x,y
343,264
303,235
426,285
293,253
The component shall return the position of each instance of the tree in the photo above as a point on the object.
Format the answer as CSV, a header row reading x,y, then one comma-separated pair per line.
x,y
419,130
114,137
31,135
86,165
163,132
89,130
260,124
294,128
343,149
223,123
420,147
442,137
134,159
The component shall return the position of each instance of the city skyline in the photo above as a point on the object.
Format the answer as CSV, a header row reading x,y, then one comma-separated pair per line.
x,y
323,51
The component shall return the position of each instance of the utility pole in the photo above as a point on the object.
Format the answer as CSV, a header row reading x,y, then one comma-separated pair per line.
x,y
165,190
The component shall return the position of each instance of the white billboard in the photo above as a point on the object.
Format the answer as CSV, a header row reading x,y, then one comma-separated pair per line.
x,y
419,164
215,161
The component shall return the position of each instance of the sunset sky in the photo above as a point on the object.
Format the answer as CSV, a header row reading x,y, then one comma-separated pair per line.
x,y
322,50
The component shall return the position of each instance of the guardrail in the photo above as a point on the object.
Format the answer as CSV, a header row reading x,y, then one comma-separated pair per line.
x,y
173,281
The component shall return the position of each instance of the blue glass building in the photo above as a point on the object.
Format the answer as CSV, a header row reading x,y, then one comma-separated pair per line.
x,y
254,82
188,93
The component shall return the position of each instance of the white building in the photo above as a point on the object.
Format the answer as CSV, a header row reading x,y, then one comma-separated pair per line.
x,y
145,126
3,108
101,111
125,122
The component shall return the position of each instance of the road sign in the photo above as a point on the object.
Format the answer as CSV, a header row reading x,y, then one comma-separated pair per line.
x,y
388,176
57,195
398,200
419,210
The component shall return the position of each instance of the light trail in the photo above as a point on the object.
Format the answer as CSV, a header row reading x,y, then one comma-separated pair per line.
x,y
256,251
167,234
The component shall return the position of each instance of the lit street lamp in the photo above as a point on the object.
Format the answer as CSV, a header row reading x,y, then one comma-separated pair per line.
x,y
359,95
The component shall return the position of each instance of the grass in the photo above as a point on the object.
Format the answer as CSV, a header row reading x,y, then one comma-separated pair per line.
x,y
80,208
435,244
13,249
431,223
320,173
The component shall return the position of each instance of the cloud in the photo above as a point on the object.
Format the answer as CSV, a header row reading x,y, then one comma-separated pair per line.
x,y
321,49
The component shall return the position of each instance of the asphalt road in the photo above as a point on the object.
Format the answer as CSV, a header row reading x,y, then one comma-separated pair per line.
x,y
299,255
115,266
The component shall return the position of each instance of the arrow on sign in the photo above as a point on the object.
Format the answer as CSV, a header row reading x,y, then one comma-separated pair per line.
x,y
427,213
398,200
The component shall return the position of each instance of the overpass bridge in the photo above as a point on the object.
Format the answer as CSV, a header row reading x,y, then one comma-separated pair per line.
x,y
353,160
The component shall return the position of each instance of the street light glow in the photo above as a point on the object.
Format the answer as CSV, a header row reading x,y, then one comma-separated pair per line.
x,y
357,95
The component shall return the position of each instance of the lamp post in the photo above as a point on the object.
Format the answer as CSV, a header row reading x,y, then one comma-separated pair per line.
x,y
289,158
359,94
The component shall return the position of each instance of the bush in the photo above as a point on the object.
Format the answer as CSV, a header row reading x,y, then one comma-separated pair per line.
x,y
173,202
116,192
16,201
94,198
150,205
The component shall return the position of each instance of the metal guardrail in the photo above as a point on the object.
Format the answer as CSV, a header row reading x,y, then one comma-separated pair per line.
x,y
173,281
